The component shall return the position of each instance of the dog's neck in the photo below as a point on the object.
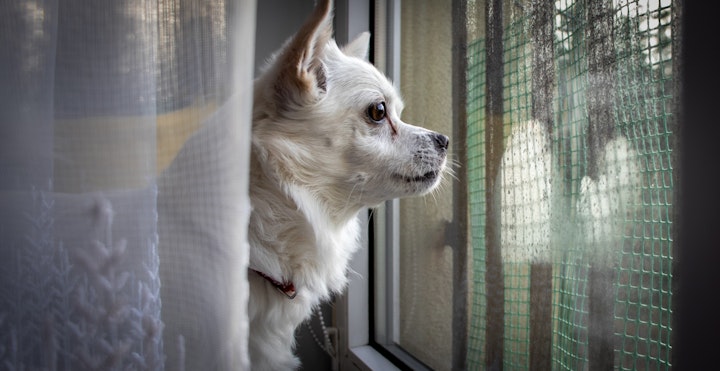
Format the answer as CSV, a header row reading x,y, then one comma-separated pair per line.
x,y
299,227
332,206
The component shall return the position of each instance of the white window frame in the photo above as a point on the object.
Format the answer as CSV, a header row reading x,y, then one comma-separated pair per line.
x,y
352,316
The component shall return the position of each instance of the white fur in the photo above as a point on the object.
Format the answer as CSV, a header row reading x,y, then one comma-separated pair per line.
x,y
317,160
315,165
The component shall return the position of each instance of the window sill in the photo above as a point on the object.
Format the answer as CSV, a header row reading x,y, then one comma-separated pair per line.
x,y
367,358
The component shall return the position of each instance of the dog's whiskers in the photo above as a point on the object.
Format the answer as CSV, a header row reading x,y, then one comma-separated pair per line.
x,y
352,190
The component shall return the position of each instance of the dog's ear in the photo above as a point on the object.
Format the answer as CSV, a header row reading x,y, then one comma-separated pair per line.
x,y
302,76
359,47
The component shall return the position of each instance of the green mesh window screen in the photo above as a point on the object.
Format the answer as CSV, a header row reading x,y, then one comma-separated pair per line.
x,y
571,184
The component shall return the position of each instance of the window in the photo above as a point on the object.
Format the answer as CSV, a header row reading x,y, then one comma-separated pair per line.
x,y
555,242
418,257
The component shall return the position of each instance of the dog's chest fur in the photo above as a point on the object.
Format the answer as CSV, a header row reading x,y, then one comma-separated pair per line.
x,y
293,238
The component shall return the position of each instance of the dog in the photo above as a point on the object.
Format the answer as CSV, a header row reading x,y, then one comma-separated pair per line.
x,y
327,143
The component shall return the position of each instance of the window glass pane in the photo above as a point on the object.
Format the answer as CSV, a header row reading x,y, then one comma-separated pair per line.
x,y
426,264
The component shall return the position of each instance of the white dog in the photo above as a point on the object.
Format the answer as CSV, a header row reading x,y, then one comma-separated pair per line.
x,y
327,143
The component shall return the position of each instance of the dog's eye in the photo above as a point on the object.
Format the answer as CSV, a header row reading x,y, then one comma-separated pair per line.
x,y
376,112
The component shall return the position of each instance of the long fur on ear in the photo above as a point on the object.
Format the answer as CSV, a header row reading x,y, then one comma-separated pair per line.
x,y
301,77
358,47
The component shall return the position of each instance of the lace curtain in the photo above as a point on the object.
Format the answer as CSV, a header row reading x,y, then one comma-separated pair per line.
x,y
96,100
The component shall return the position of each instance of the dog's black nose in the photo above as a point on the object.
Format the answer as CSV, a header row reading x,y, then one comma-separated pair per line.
x,y
441,141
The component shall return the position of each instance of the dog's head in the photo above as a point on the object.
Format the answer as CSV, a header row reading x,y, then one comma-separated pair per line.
x,y
328,121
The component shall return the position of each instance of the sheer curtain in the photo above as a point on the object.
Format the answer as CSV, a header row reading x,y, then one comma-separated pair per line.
x,y
97,98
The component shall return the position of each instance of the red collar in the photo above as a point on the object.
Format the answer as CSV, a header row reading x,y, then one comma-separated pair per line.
x,y
286,287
